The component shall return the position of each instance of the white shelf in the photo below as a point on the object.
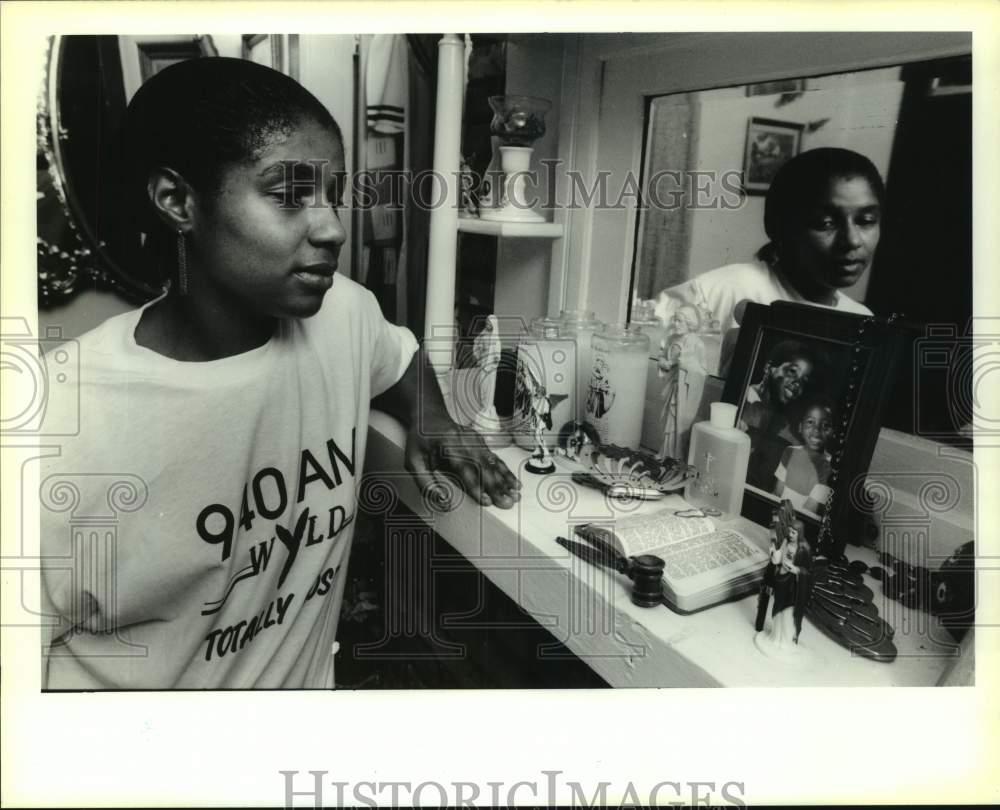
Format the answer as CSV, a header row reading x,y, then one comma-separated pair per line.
x,y
539,230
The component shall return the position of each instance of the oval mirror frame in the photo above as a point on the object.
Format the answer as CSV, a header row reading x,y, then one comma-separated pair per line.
x,y
71,257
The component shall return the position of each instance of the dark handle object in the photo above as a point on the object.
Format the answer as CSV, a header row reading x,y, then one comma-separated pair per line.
x,y
593,536
595,556
645,571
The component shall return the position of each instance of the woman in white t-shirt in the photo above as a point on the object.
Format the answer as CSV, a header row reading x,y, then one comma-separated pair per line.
x,y
822,216
196,529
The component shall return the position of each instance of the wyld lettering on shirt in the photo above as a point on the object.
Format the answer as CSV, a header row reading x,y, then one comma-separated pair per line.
x,y
338,519
291,541
260,555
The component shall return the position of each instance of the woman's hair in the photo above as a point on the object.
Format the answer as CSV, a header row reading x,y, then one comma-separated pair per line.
x,y
801,180
200,116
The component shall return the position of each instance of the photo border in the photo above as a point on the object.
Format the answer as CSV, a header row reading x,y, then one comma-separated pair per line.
x,y
756,124
884,348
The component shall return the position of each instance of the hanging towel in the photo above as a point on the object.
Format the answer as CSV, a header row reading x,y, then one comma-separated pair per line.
x,y
387,83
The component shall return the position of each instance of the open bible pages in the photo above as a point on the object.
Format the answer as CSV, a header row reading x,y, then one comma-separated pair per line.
x,y
657,531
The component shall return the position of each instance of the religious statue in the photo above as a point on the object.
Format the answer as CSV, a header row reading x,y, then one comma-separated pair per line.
x,y
535,404
683,362
787,583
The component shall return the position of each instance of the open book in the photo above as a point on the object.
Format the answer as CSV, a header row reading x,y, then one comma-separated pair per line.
x,y
704,564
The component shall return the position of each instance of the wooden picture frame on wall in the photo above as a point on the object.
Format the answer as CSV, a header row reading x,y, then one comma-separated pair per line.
x,y
769,145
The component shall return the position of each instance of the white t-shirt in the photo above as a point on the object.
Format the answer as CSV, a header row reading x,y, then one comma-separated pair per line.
x,y
721,289
196,531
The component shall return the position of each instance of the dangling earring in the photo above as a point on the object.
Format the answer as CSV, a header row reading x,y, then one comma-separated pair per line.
x,y
182,271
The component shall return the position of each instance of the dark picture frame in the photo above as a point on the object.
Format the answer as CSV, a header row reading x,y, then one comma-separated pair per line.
x,y
769,145
776,87
832,342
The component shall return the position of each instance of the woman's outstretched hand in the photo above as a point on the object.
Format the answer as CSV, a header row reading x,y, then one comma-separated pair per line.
x,y
443,454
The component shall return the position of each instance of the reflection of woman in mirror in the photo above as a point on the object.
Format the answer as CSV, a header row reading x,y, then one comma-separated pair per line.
x,y
822,215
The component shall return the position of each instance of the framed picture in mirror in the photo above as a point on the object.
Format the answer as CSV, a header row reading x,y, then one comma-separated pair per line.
x,y
769,146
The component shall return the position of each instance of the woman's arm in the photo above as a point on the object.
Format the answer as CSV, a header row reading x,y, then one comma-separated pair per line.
x,y
437,448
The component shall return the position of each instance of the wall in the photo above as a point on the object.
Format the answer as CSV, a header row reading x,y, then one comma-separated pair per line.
x,y
534,68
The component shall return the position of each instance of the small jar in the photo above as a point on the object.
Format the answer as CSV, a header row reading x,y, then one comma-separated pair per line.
x,y
580,325
617,389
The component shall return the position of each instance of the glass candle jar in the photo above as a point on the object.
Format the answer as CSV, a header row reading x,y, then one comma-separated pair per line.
x,y
646,321
545,368
580,325
617,389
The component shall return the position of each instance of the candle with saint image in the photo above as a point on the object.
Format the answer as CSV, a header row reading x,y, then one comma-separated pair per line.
x,y
580,325
617,389
544,360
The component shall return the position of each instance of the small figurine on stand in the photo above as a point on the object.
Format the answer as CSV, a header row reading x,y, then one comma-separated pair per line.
x,y
788,582
536,404
486,352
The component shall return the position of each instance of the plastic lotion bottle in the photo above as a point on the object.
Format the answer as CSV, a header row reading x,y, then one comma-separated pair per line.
x,y
720,453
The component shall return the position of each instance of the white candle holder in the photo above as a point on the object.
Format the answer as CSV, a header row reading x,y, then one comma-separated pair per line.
x,y
518,121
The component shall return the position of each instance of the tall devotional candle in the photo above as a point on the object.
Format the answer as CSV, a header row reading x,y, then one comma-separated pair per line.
x,y
616,392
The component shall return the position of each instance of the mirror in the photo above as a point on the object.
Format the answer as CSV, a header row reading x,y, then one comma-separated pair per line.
x,y
713,153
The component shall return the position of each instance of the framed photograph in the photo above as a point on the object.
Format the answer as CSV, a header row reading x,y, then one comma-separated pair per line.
x,y
801,400
769,145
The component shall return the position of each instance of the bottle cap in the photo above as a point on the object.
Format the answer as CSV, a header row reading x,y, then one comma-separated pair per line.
x,y
723,415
